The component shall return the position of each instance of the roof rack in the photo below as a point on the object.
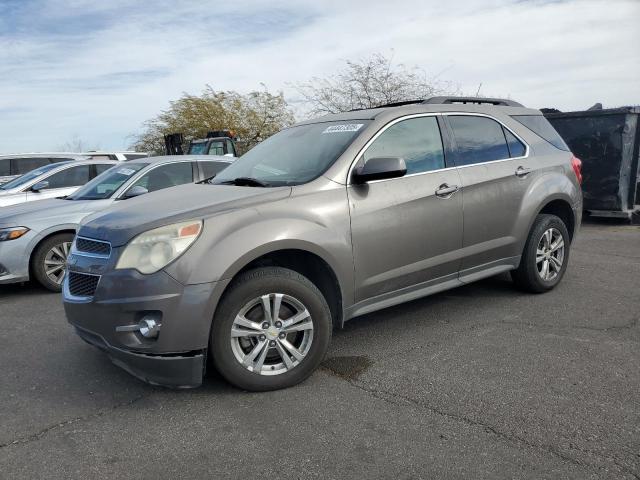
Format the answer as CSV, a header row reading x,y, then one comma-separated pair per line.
x,y
477,100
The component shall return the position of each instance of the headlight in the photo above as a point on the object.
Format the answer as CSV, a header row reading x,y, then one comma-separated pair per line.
x,y
150,251
12,233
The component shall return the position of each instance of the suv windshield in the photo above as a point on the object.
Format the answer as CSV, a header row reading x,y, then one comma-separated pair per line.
x,y
293,156
106,183
27,177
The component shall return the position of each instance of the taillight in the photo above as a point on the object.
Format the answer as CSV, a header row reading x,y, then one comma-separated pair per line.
x,y
576,163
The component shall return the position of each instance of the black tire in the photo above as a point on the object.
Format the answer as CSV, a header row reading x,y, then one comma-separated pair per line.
x,y
243,290
527,276
38,258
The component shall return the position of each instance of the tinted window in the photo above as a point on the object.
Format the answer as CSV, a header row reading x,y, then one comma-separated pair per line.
x,y
166,176
102,167
294,155
541,127
216,148
417,140
5,166
71,177
199,148
516,147
24,165
212,168
478,139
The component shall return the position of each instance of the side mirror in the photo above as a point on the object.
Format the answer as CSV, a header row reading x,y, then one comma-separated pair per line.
x,y
135,191
379,168
36,187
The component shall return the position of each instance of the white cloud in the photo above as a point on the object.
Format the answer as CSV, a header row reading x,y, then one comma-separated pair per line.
x,y
98,70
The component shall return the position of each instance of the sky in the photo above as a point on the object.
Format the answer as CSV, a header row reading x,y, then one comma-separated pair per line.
x,y
96,70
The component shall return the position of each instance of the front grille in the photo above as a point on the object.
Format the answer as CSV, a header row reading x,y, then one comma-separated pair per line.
x,y
93,247
82,285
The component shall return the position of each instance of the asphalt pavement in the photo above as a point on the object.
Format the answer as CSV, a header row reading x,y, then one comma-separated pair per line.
x,y
478,382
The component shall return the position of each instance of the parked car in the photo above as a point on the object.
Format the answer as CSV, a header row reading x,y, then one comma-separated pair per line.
x,y
51,181
35,237
322,222
119,156
12,166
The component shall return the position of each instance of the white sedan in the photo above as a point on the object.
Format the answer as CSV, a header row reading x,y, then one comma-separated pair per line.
x,y
52,181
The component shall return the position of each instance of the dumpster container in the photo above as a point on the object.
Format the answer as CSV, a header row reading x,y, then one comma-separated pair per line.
x,y
608,143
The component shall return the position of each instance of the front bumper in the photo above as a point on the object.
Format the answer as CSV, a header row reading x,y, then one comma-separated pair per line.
x,y
176,371
14,259
176,358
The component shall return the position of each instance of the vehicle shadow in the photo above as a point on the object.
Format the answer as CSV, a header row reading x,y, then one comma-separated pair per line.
x,y
12,290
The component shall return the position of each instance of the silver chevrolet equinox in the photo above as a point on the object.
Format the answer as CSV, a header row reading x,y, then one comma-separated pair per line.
x,y
332,218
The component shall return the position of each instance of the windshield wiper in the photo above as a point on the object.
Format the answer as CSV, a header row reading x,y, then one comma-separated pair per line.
x,y
245,182
207,180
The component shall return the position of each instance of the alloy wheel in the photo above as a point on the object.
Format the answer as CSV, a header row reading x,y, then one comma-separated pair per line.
x,y
272,334
550,254
55,262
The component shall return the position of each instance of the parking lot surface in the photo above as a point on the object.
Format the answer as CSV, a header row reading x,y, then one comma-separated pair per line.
x,y
478,382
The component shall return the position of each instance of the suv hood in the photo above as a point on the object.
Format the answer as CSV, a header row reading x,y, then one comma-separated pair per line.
x,y
128,218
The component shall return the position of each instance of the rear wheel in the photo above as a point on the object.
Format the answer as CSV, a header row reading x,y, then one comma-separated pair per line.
x,y
48,262
545,255
271,330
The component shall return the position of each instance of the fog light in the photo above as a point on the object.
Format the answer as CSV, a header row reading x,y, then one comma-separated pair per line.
x,y
149,328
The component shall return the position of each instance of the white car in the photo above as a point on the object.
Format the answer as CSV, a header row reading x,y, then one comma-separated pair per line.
x,y
52,180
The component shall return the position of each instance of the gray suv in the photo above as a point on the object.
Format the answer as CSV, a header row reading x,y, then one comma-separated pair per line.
x,y
330,219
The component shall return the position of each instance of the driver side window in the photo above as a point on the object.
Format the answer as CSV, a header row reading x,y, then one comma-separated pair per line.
x,y
417,140
166,176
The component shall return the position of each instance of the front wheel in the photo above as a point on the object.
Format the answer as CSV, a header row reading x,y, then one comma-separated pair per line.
x,y
48,262
545,256
271,330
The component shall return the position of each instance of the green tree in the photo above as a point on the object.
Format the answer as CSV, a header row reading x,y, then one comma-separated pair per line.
x,y
253,117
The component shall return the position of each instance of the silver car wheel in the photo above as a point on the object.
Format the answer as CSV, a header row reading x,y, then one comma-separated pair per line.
x,y
272,334
550,254
55,262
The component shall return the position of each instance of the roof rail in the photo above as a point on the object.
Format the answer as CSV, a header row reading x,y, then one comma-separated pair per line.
x,y
478,100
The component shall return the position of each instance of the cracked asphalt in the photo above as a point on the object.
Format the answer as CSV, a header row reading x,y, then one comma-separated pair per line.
x,y
478,382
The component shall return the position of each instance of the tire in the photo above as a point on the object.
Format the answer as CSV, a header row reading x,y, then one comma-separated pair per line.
x,y
45,253
298,297
530,275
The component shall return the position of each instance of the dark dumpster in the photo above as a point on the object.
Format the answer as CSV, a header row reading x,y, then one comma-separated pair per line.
x,y
608,143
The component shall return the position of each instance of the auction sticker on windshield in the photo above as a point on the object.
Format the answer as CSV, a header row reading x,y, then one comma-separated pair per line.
x,y
126,171
346,127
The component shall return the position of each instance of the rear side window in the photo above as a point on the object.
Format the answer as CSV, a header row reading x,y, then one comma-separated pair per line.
x,y
24,165
541,127
5,167
516,147
210,169
166,176
417,140
478,139
71,177
102,167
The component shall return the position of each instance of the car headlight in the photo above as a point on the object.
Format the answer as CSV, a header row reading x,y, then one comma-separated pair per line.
x,y
150,251
12,233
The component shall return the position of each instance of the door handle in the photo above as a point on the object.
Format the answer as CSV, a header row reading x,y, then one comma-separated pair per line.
x,y
522,172
446,191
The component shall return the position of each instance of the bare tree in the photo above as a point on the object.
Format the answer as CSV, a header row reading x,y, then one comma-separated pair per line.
x,y
76,145
369,83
